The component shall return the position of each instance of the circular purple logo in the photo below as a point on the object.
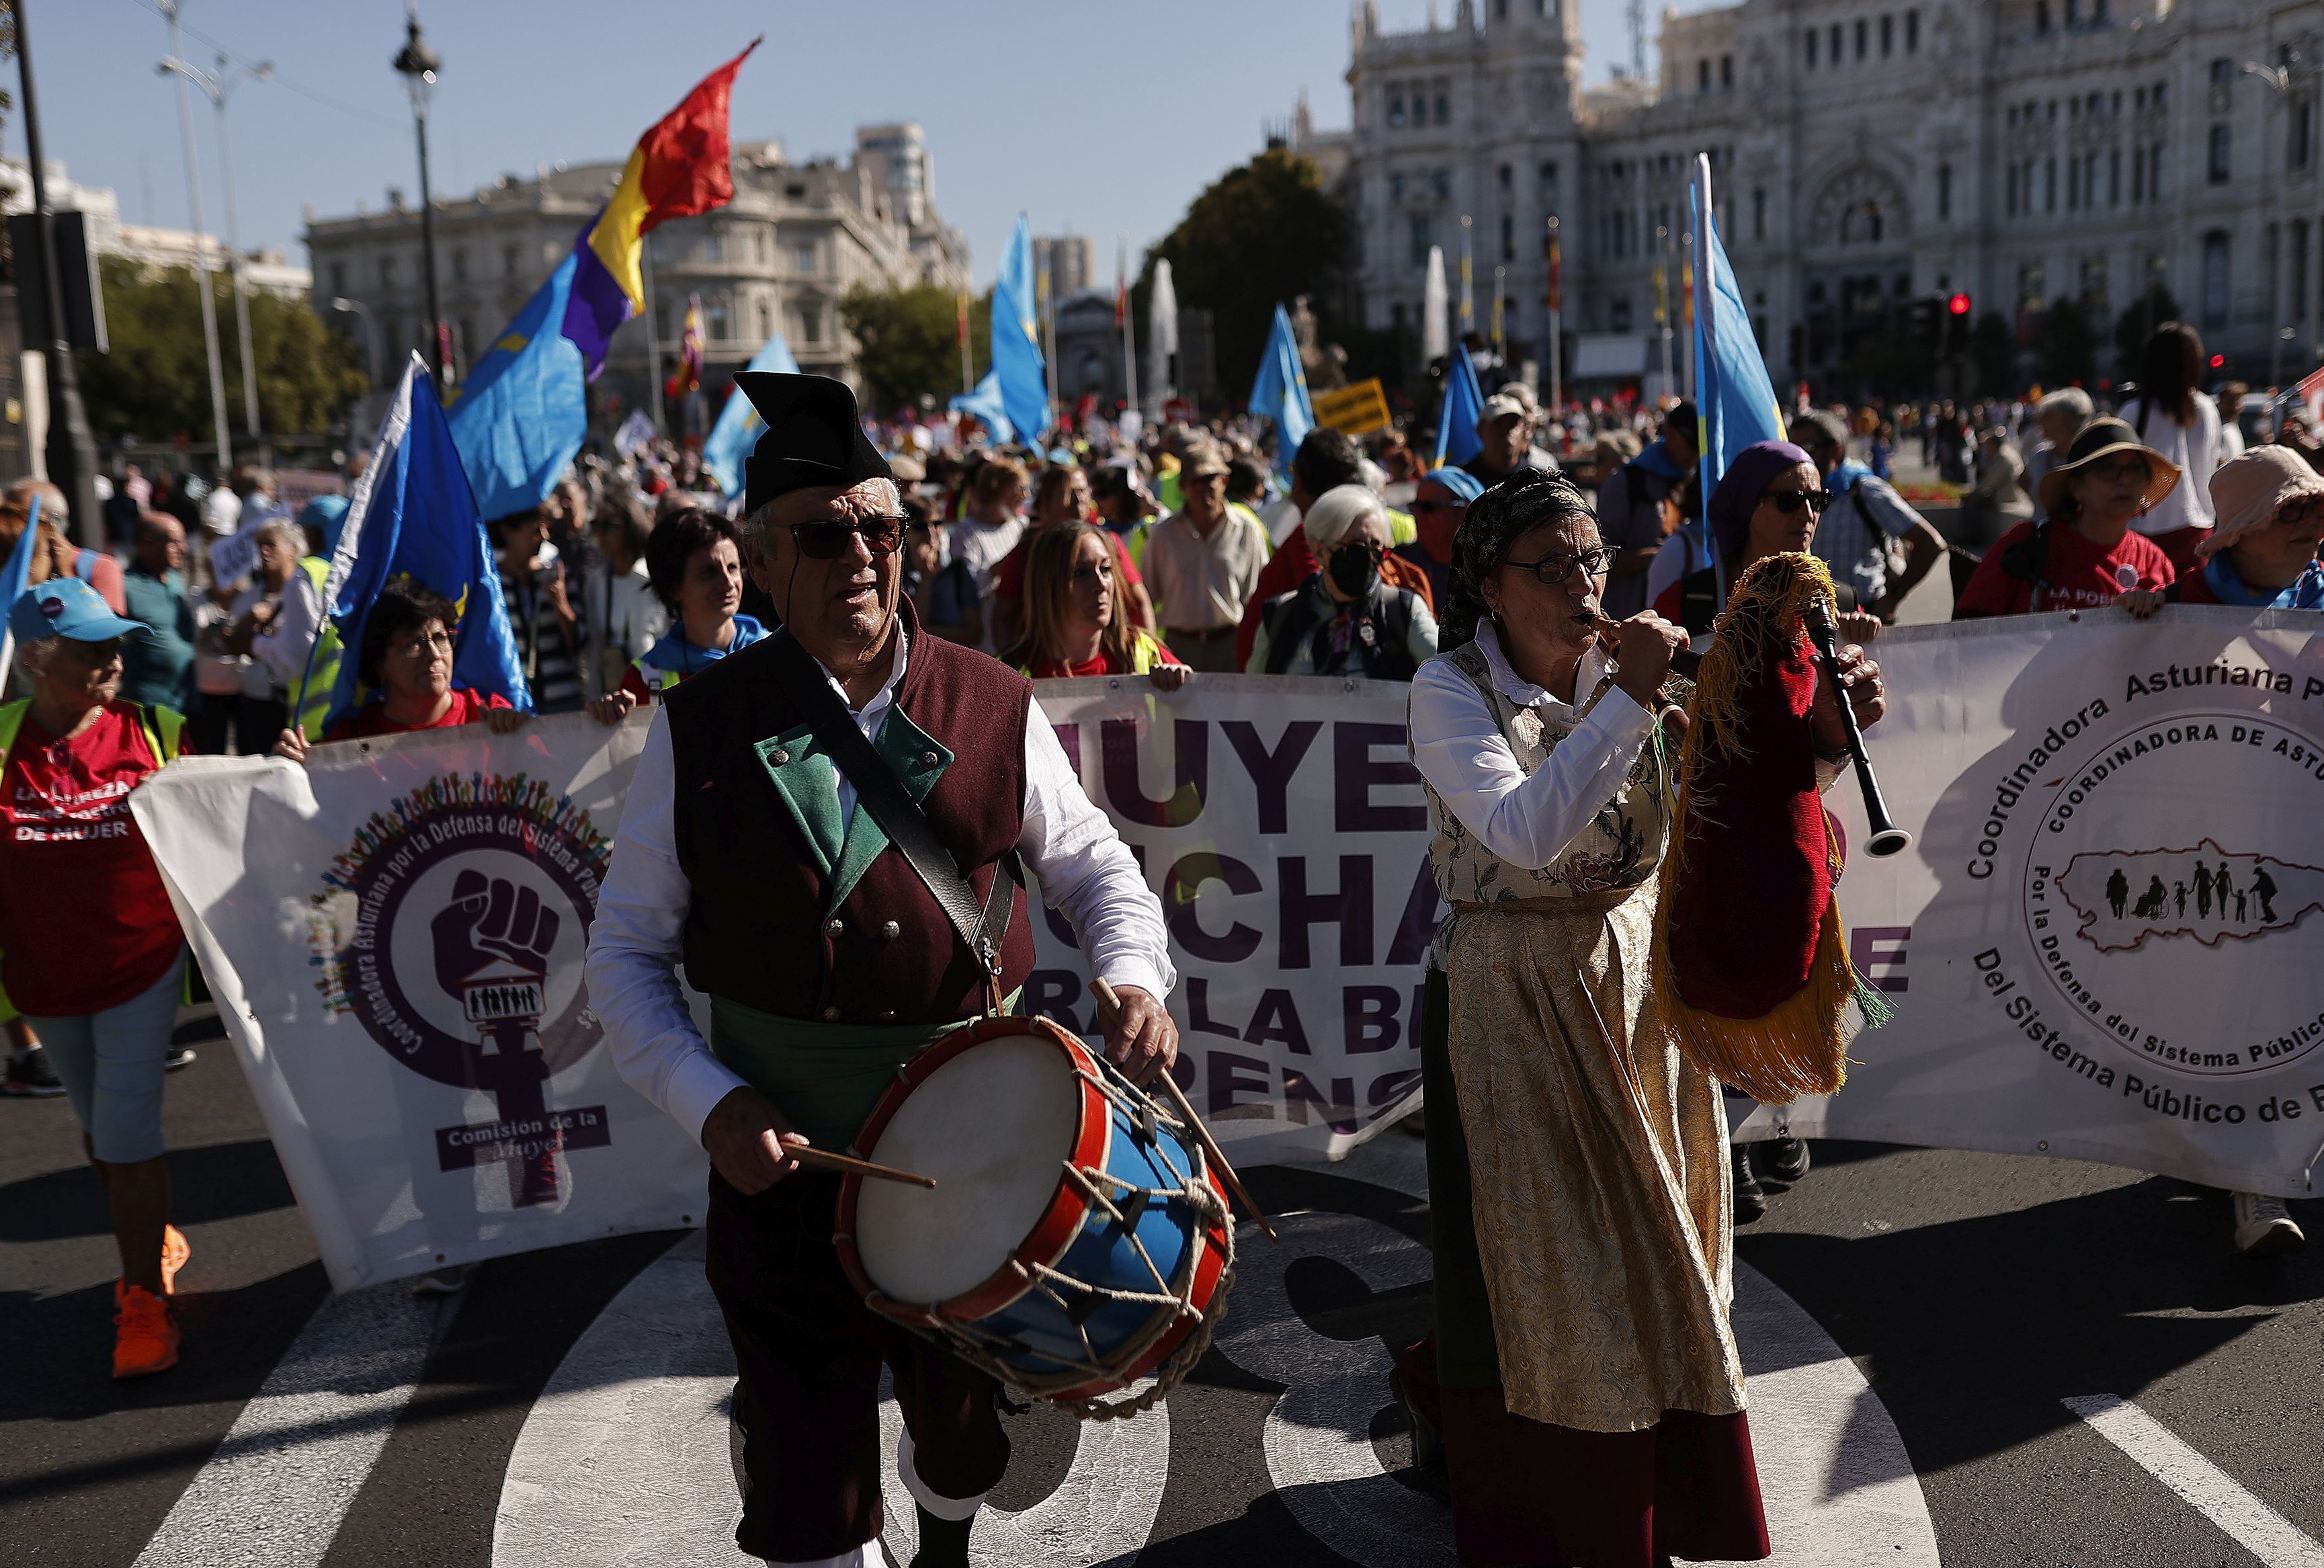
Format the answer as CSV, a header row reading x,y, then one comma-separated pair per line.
x,y
457,921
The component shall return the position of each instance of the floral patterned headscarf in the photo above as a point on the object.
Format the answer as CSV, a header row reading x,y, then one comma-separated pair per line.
x,y
1497,520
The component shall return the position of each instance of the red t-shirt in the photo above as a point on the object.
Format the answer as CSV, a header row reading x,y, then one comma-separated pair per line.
x,y
1008,576
2081,576
468,706
85,923
2194,588
1052,669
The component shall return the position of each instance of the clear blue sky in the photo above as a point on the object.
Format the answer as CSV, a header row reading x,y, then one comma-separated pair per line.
x,y
1096,116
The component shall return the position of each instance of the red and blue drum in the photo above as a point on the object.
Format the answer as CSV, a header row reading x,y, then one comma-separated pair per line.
x,y
1073,1240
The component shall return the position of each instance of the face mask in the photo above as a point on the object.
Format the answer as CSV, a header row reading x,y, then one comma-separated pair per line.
x,y
1354,569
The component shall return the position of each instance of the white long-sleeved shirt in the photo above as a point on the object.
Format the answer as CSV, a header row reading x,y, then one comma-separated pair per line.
x,y
1460,750
281,649
1070,846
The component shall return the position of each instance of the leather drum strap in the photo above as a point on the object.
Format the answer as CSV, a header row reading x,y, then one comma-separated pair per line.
x,y
981,927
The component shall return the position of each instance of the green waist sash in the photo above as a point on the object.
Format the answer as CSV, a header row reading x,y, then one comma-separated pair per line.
x,y
825,1078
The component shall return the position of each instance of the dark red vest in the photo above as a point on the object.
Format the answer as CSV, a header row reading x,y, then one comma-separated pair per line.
x,y
758,932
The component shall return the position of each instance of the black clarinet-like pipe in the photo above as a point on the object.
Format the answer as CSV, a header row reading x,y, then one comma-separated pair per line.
x,y
1888,838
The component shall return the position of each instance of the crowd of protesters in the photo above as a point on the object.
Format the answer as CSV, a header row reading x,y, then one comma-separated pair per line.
x,y
1165,555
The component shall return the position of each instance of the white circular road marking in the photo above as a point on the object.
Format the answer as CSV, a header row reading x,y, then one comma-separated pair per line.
x,y
625,1457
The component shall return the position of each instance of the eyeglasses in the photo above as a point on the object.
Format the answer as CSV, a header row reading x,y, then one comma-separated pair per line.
x,y
422,647
1789,502
1420,506
883,535
1552,570
2121,470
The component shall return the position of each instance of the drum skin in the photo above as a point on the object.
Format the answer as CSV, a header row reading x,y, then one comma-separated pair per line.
x,y
1072,1237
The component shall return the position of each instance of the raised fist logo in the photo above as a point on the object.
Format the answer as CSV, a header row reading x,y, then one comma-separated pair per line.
x,y
491,920
492,947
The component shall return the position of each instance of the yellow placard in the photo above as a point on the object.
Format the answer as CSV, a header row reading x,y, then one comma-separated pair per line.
x,y
1357,410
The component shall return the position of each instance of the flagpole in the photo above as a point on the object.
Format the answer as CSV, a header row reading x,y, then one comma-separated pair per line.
x,y
1468,290
653,349
1047,289
1128,333
1708,443
967,366
1557,337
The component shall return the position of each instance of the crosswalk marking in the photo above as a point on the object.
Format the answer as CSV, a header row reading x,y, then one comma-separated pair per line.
x,y
275,1491
2210,1491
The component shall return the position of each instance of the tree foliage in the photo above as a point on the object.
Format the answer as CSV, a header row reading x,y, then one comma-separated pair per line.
x,y
2137,323
1993,346
908,341
2066,344
154,384
1261,236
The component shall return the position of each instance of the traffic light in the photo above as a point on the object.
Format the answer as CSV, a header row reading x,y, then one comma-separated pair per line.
x,y
1925,322
1959,304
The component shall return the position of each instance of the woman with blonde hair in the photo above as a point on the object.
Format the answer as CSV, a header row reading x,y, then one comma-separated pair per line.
x,y
1062,496
1074,619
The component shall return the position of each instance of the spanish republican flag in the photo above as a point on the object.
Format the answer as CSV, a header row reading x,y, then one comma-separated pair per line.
x,y
679,169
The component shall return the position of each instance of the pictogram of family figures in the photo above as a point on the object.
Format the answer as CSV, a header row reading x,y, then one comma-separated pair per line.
x,y
2211,887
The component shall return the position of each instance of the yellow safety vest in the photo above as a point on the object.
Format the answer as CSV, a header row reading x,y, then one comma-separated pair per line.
x,y
323,677
1145,653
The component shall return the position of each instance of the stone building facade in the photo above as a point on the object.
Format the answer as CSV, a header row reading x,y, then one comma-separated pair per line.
x,y
778,257
1865,154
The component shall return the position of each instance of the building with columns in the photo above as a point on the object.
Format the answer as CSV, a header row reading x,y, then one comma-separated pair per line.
x,y
1865,154
778,257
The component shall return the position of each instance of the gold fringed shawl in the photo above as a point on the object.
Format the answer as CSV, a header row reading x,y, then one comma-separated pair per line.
x,y
1751,972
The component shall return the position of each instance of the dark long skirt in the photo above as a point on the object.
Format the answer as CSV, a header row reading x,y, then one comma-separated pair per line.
x,y
1527,1492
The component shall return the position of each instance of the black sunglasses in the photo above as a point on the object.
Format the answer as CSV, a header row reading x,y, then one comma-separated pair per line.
x,y
1552,570
1789,502
883,535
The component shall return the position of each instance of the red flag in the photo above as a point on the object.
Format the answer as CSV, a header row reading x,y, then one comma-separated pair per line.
x,y
687,167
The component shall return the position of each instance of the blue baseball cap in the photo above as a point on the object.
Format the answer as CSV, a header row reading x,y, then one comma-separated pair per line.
x,y
325,515
1464,485
67,607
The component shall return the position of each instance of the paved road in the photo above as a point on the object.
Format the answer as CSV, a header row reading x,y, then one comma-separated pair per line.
x,y
567,1408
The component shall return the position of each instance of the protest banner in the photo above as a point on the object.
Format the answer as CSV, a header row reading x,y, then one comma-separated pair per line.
x,y
1281,822
395,934
2103,943
1356,409
235,556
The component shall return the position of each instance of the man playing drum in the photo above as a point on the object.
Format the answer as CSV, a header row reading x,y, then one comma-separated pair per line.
x,y
746,852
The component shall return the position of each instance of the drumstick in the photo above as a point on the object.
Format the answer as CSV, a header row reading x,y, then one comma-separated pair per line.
x,y
1109,1003
1684,661
808,1154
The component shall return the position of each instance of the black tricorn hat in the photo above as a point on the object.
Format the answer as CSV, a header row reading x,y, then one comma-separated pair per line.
x,y
813,437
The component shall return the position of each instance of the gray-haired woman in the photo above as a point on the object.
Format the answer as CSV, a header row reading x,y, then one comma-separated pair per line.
x,y
276,627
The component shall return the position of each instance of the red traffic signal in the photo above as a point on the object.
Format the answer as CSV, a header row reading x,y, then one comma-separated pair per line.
x,y
1957,304
2218,361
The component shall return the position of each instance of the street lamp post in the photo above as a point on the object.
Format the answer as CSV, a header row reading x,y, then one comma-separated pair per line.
x,y
219,86
355,307
72,454
417,65
201,255
2279,80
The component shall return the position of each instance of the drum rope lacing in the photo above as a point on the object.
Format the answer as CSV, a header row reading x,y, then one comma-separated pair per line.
x,y
979,1348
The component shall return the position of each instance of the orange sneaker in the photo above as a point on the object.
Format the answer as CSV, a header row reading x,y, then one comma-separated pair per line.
x,y
175,1250
146,1340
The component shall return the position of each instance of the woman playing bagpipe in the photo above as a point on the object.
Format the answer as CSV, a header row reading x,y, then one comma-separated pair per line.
x,y
1583,1375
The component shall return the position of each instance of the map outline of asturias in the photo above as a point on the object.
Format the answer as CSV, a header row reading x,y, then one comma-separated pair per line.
x,y
2135,896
